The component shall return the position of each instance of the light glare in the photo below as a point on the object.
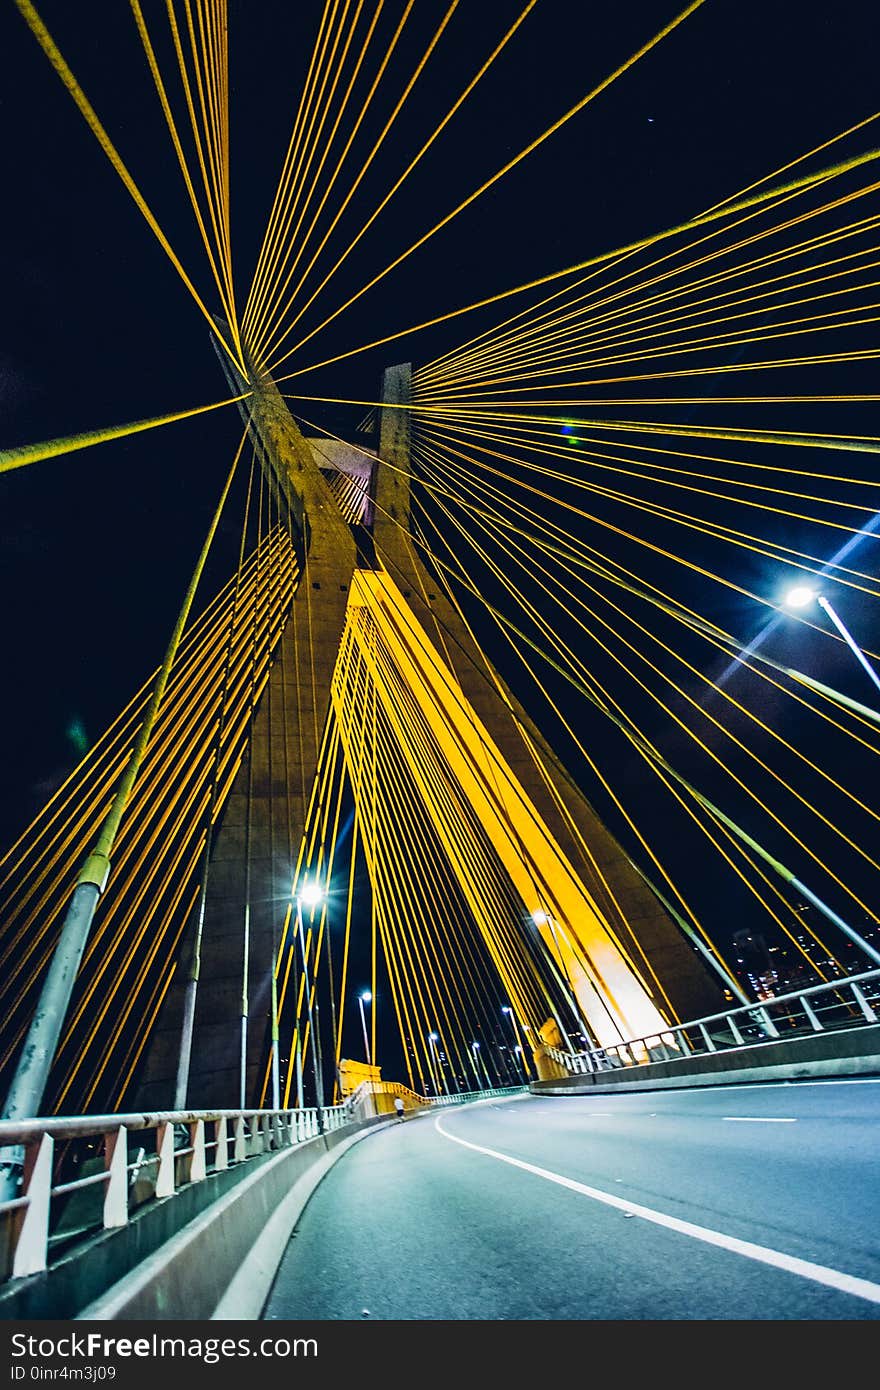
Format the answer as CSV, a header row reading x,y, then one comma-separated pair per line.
x,y
310,894
800,596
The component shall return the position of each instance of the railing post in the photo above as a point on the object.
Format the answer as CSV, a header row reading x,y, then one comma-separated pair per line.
x,y
737,1035
165,1151
116,1191
239,1152
863,1004
256,1135
706,1039
767,1023
197,1166
807,1008
33,1225
221,1145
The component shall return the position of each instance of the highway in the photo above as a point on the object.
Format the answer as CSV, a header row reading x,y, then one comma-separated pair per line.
x,y
744,1202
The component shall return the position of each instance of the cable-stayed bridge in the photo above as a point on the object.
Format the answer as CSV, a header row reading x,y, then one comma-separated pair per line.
x,y
458,783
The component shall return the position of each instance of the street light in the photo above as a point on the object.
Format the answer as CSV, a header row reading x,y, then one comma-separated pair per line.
x,y
364,998
506,1009
542,919
801,596
310,895
478,1063
434,1060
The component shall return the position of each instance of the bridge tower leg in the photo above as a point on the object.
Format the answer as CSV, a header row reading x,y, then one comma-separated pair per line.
x,y
265,814
256,845
647,933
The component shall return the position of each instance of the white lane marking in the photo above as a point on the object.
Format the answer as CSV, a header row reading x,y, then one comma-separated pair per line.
x,y
759,1120
806,1269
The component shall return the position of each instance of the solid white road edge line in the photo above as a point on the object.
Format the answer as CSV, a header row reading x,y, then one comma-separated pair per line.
x,y
819,1274
759,1120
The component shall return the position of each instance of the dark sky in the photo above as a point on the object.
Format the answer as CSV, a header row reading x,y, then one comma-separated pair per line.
x,y
96,328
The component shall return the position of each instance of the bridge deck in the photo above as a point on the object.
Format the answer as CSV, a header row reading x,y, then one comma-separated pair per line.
x,y
414,1225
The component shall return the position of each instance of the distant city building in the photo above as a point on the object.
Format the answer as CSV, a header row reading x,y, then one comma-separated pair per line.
x,y
754,964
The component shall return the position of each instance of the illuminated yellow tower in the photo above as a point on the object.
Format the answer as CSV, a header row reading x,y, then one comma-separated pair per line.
x,y
625,961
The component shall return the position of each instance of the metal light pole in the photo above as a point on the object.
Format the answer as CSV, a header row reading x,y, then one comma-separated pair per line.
x,y
801,596
311,895
433,1060
478,1057
850,640
276,1070
364,998
506,1009
542,918
298,1067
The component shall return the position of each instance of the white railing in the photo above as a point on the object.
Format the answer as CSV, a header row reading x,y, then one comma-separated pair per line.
x,y
840,1004
188,1146
414,1100
460,1097
212,1140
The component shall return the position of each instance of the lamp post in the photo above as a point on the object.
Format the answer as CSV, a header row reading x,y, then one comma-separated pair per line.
x,y
540,919
311,895
433,1060
365,997
506,1009
478,1058
801,596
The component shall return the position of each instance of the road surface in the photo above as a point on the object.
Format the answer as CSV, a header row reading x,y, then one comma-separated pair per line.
x,y
744,1202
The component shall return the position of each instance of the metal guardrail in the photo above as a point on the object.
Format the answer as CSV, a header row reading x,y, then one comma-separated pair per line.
x,y
212,1141
189,1145
459,1097
850,1002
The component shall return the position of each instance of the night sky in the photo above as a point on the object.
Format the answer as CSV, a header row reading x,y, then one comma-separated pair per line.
x,y
97,329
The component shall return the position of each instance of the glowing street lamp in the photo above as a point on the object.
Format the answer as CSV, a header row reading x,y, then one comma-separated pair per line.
x,y
310,896
506,1009
801,596
434,1060
544,919
364,998
478,1059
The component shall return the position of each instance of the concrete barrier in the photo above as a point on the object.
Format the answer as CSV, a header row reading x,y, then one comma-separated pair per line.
x,y
181,1256
851,1053
221,1265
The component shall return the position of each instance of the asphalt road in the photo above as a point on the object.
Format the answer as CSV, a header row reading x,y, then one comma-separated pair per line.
x,y
746,1202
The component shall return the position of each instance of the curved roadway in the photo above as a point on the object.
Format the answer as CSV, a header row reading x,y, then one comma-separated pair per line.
x,y
743,1202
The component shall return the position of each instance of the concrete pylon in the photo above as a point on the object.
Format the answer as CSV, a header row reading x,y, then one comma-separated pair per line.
x,y
626,902
265,814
